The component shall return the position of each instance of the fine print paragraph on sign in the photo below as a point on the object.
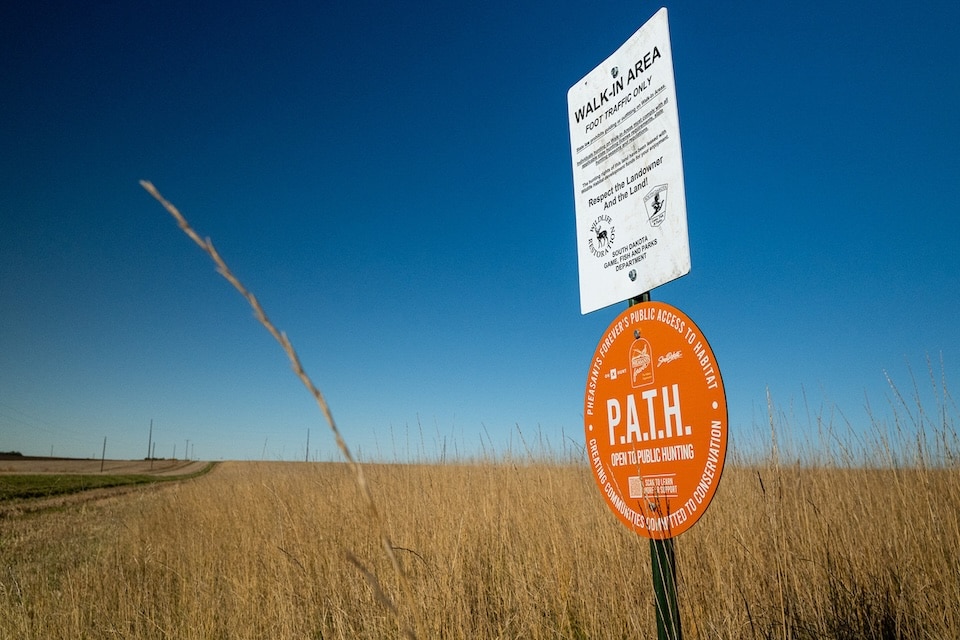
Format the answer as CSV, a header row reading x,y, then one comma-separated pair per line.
x,y
628,172
655,420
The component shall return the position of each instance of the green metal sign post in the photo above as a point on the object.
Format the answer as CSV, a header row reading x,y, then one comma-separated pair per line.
x,y
664,561
664,564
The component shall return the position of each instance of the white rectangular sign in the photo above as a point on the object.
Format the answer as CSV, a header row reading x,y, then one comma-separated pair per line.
x,y
629,198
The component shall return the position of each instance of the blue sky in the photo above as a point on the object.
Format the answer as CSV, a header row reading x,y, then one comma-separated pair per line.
x,y
393,181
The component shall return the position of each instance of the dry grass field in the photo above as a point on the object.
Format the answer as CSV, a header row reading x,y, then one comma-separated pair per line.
x,y
500,549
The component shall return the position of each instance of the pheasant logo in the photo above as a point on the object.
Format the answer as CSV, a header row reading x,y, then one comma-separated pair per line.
x,y
656,203
640,359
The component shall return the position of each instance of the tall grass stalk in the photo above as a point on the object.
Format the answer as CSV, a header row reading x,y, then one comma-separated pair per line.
x,y
207,246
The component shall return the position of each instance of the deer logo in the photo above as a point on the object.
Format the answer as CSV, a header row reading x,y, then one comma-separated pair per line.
x,y
601,236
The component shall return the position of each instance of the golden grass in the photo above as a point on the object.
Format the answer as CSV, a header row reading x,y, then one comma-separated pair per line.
x,y
497,550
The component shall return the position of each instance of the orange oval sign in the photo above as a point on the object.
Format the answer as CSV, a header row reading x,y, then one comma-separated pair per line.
x,y
655,420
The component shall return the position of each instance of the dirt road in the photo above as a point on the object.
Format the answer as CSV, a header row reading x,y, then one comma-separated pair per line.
x,y
68,465
27,466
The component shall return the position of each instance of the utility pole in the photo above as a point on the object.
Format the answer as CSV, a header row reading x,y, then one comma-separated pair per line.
x,y
150,439
103,456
